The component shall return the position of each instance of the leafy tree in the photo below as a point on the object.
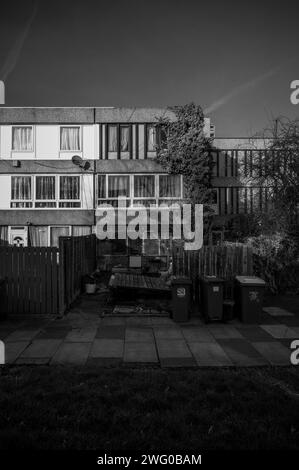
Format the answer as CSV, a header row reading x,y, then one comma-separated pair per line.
x,y
277,169
184,149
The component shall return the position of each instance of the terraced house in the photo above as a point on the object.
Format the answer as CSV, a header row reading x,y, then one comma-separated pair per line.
x,y
58,165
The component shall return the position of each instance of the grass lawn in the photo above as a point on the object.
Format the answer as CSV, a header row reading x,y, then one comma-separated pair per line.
x,y
148,409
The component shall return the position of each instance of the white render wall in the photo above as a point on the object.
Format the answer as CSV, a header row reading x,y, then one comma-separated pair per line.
x,y
46,143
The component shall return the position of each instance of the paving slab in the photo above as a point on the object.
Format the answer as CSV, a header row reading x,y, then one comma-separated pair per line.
x,y
107,348
173,348
139,334
53,333
162,321
255,333
111,332
72,353
210,354
242,353
280,331
277,312
81,335
198,334
274,352
13,350
138,322
21,335
140,352
4,332
165,332
224,331
42,348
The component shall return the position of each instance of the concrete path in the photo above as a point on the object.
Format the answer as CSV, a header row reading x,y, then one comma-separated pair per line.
x,y
82,337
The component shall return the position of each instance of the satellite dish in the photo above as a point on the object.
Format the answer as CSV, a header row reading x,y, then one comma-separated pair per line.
x,y
77,160
86,166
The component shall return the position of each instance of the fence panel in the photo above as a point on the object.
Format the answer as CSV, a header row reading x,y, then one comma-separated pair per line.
x,y
31,279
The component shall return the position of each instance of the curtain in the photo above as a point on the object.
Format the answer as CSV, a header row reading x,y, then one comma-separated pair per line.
x,y
81,230
101,186
57,232
170,186
112,139
20,187
70,138
45,187
38,235
22,138
118,186
69,187
124,138
3,235
151,139
144,186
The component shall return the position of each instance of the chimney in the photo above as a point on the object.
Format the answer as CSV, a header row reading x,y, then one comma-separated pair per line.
x,y
2,92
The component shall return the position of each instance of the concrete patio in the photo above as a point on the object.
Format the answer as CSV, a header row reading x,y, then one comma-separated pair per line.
x,y
85,337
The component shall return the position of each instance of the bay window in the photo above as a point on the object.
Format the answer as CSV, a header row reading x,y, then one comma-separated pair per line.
x,y
118,185
70,138
124,138
144,188
21,196
22,139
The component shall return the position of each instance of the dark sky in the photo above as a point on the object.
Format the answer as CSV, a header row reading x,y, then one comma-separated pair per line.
x,y
239,54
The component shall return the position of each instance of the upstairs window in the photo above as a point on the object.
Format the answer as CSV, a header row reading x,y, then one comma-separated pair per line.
x,y
124,138
21,195
151,138
112,138
22,139
70,138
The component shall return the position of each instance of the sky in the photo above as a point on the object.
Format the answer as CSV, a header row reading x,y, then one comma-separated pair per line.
x,y
234,58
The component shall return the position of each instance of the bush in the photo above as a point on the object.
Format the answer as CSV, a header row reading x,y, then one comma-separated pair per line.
x,y
275,259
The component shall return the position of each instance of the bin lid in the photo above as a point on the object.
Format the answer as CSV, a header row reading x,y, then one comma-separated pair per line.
x,y
250,281
181,280
212,279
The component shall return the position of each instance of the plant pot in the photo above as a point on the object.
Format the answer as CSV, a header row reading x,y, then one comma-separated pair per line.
x,y
90,288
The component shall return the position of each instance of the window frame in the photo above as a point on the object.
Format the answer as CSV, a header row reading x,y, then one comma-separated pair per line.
x,y
57,200
18,201
80,150
15,126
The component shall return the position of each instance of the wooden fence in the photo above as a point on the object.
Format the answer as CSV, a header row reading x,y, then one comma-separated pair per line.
x,y
46,280
32,279
77,257
224,261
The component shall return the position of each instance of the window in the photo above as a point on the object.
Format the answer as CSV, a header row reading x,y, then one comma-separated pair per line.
x,y
69,191
21,191
112,139
101,186
118,186
151,138
22,139
144,186
170,186
70,138
124,138
45,191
